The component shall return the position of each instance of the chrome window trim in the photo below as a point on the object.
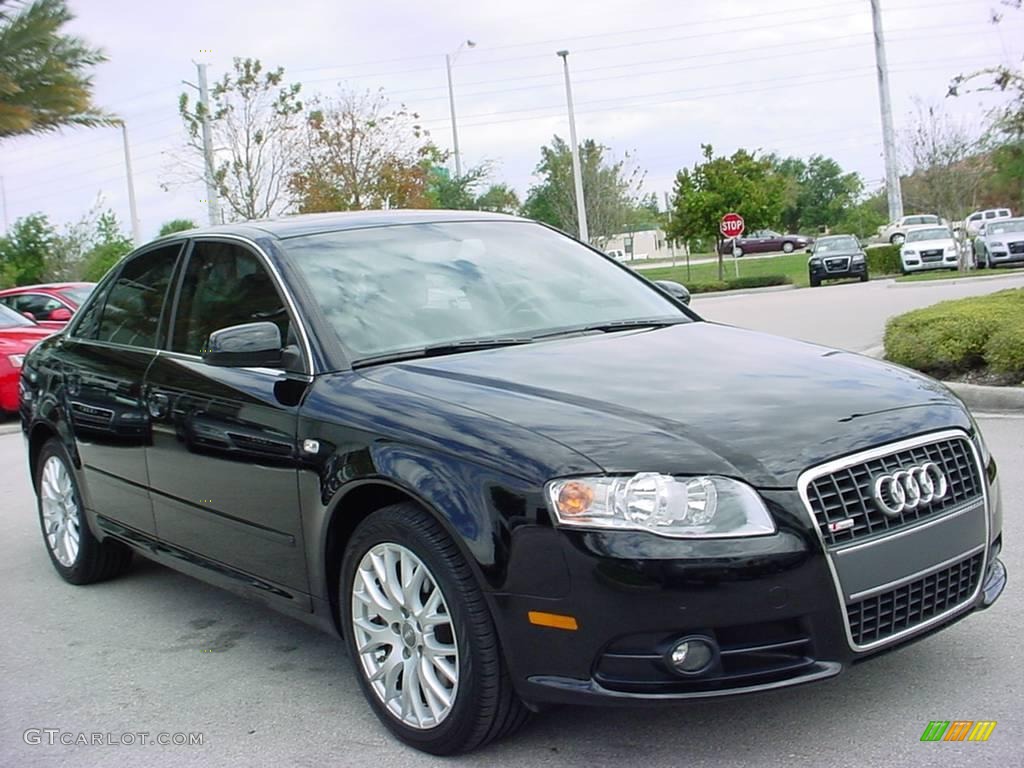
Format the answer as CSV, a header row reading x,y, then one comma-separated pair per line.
x,y
809,475
275,273
278,373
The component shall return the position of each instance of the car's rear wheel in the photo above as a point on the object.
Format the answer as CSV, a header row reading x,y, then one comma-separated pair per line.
x,y
421,638
787,247
77,555
898,238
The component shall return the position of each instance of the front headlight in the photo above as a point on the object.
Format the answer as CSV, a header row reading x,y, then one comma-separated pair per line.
x,y
909,252
685,507
816,261
979,442
996,244
858,258
16,360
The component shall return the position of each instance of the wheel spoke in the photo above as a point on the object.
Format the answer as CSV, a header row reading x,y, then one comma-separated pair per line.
x,y
385,607
443,666
431,685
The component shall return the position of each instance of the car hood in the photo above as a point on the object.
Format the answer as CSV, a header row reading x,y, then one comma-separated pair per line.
x,y
844,252
925,245
22,339
1012,234
693,398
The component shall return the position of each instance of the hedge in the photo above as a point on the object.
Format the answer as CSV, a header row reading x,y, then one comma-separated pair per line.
x,y
884,259
982,332
736,283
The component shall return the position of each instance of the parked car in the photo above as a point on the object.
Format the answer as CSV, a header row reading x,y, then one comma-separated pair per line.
x,y
896,232
1000,241
18,335
929,248
50,305
765,241
837,257
422,430
974,222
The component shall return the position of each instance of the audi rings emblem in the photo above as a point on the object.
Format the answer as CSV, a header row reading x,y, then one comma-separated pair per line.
x,y
909,489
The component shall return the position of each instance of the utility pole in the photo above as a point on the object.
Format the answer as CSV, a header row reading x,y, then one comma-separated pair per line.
x,y
892,168
211,187
449,58
577,173
132,209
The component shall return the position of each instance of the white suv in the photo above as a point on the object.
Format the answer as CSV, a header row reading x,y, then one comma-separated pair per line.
x,y
931,247
976,219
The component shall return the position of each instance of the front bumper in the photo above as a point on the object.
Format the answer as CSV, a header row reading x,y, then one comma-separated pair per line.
x,y
819,272
916,264
768,603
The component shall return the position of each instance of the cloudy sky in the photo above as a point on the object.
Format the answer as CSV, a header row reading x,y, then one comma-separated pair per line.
x,y
654,78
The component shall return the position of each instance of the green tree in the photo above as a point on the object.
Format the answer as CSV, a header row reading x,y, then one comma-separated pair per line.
x,y
176,225
45,74
499,198
109,245
454,193
25,250
253,118
743,183
865,217
611,189
818,193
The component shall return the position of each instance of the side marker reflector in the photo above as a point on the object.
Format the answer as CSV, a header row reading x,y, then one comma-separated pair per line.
x,y
555,620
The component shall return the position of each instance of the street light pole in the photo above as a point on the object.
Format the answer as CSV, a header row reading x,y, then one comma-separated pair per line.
x,y
449,59
132,209
577,173
892,169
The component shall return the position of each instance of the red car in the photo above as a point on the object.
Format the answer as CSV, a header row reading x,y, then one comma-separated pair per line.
x,y
50,305
18,335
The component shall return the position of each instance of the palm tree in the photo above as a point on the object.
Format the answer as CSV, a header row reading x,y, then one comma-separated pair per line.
x,y
45,76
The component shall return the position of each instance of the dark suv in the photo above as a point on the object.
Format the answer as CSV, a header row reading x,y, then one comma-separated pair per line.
x,y
501,467
837,257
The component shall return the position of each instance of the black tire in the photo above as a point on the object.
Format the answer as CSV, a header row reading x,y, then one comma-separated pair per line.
x,y
485,706
897,239
864,278
95,560
814,283
787,247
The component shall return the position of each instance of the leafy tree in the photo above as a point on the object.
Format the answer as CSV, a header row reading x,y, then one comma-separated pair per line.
x,y
453,192
25,249
610,189
359,152
109,245
865,217
253,117
499,198
45,74
744,183
176,225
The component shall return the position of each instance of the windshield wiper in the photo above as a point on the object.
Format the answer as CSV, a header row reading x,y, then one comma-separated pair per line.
x,y
445,348
611,327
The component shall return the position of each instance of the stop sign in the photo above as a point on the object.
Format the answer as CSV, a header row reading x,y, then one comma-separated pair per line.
x,y
731,225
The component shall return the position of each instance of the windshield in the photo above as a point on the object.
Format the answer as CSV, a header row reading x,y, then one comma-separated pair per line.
x,y
11,319
77,293
389,289
1008,225
936,233
911,221
837,245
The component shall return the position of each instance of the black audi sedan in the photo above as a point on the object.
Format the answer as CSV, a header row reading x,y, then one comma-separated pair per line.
x,y
837,257
505,469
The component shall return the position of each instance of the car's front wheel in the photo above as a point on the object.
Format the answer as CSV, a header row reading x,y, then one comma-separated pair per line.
x,y
422,640
898,239
78,556
787,247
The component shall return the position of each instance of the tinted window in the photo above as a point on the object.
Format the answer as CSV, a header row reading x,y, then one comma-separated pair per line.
x,y
225,284
396,288
131,313
990,214
38,304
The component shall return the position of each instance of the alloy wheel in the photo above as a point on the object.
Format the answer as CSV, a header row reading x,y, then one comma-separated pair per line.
x,y
61,518
404,636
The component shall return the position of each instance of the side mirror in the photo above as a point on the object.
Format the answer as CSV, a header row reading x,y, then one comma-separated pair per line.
x,y
676,290
239,346
61,314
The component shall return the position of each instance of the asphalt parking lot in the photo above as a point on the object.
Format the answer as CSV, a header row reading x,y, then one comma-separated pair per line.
x,y
158,653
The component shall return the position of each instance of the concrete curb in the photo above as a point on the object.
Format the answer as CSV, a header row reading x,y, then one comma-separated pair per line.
x,y
742,291
895,283
977,396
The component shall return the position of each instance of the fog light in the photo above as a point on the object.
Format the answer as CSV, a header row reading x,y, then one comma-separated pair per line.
x,y
692,655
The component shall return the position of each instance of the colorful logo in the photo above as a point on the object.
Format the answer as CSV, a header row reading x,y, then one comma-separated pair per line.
x,y
958,730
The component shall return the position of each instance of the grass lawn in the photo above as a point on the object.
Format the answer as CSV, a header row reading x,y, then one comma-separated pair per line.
x,y
949,275
793,266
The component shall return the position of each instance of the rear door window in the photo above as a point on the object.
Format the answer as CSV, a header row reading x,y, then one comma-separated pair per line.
x,y
135,302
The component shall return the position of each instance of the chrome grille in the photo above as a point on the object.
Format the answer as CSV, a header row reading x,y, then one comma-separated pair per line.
x,y
846,493
931,256
888,613
1017,247
840,264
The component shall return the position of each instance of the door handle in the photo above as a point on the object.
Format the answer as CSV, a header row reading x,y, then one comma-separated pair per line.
x,y
157,404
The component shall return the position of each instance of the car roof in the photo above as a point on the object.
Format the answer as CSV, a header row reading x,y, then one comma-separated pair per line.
x,y
299,225
42,287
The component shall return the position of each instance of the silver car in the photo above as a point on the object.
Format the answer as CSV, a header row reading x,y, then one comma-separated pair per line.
x,y
1000,241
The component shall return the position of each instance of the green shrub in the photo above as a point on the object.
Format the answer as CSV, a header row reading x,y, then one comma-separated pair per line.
x,y
884,259
958,336
737,283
